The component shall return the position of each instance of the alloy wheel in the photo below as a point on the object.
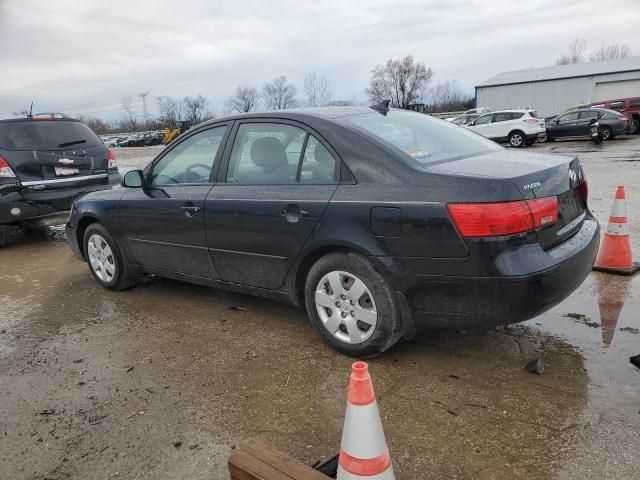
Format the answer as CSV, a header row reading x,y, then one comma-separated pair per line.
x,y
101,258
346,307
516,140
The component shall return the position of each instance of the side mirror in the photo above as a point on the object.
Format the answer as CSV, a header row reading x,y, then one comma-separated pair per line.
x,y
133,179
557,120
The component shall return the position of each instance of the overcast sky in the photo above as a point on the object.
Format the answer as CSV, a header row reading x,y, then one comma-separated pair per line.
x,y
83,56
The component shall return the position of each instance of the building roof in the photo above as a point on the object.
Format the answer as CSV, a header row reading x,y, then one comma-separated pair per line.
x,y
564,71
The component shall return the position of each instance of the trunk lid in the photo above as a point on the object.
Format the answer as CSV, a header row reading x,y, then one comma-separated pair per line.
x,y
53,154
535,175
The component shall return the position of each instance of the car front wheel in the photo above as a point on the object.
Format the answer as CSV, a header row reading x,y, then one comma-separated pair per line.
x,y
352,305
606,132
105,259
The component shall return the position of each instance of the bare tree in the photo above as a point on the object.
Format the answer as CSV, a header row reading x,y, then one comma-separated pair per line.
x,y
129,113
170,110
577,49
196,109
610,52
279,94
316,88
448,96
244,100
402,81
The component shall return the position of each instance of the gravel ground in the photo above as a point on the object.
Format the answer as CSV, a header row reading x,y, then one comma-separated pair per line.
x,y
163,381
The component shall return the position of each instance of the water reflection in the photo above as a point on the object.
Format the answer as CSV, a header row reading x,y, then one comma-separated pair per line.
x,y
612,292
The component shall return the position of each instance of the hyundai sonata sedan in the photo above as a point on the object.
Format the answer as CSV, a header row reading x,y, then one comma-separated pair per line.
x,y
379,222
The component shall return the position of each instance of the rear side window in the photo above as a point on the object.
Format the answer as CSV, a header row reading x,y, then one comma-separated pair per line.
x,y
46,134
318,165
502,117
535,114
617,106
635,103
265,154
422,138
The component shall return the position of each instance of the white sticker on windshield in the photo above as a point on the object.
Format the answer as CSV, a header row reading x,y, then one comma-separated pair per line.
x,y
419,154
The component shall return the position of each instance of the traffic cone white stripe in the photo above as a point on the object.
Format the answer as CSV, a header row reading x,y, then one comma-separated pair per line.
x,y
619,208
362,436
615,228
386,475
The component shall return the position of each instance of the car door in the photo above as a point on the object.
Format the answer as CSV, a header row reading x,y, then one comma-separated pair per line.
x,y
164,222
482,125
566,125
277,180
583,125
500,125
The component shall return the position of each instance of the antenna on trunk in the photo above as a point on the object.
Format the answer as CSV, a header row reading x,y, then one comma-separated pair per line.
x,y
382,107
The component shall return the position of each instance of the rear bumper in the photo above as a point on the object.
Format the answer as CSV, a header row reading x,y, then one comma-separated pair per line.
x,y
27,205
450,301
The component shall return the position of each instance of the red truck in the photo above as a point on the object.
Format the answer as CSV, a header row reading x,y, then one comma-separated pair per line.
x,y
628,106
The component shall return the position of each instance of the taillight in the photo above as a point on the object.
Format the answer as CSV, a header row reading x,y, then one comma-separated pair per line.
x,y
504,218
111,160
5,169
584,189
532,121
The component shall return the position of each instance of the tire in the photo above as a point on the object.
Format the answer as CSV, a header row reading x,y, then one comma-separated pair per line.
x,y
517,139
107,264
607,133
341,326
543,138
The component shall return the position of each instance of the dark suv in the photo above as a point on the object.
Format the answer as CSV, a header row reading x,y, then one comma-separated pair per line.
x,y
46,161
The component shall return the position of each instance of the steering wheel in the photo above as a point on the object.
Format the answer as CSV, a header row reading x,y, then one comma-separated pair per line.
x,y
189,172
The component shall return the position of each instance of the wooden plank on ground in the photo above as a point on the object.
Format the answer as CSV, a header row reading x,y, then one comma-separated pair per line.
x,y
258,461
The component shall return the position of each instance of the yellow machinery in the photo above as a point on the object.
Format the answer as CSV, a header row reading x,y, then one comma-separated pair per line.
x,y
171,134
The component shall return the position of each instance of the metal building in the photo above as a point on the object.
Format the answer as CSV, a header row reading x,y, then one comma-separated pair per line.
x,y
551,90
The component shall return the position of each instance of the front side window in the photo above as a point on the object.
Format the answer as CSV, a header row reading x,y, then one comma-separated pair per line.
x,y
617,106
569,117
484,119
318,165
588,115
423,139
190,161
265,154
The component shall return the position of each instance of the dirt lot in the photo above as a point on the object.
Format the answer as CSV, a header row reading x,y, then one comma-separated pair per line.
x,y
165,380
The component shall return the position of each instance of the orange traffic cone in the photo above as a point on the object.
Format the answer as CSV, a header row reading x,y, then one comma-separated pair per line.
x,y
614,255
363,451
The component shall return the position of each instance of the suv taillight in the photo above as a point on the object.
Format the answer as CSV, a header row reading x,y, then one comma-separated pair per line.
x,y
111,160
503,218
532,121
5,169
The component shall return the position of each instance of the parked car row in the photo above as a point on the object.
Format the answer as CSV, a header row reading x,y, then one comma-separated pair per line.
x,y
521,127
136,139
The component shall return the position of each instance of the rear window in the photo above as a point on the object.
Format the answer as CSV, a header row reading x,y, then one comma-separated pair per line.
x,y
535,114
634,103
46,134
423,138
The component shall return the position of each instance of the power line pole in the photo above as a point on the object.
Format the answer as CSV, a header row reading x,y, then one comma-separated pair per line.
x,y
145,111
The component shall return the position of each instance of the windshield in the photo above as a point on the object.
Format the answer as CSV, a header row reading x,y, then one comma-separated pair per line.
x,y
46,134
425,139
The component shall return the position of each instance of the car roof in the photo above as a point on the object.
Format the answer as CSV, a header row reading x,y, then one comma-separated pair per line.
x,y
325,113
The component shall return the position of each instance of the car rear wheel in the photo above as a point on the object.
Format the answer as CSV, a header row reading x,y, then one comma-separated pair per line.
x,y
517,139
352,305
105,259
607,133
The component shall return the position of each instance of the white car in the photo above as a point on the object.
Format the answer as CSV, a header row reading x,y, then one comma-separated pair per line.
x,y
517,127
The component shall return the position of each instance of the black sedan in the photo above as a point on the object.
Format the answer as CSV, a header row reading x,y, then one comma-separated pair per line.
x,y
577,123
380,222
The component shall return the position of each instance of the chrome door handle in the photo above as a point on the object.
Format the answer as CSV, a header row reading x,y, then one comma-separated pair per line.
x,y
190,210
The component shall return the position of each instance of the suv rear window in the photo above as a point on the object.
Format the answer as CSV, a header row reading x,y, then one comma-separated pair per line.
x,y
535,114
634,103
46,134
616,106
424,139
